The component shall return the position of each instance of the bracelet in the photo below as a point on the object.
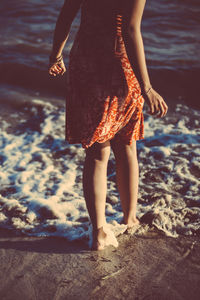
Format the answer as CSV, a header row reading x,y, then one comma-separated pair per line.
x,y
146,92
56,60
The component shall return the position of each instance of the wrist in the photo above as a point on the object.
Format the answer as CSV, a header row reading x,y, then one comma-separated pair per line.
x,y
146,88
55,58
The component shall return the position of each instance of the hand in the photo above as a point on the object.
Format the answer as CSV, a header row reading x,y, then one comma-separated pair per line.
x,y
57,68
157,105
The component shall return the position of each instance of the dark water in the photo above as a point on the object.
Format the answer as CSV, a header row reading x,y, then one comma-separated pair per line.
x,y
171,38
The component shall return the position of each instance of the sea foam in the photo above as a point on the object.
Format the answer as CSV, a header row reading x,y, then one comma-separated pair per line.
x,y
41,176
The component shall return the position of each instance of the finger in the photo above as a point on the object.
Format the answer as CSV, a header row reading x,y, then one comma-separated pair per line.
x,y
162,110
51,72
54,65
166,109
157,108
57,69
63,71
151,108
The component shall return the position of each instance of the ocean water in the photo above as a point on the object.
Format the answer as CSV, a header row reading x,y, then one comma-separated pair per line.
x,y
171,38
41,175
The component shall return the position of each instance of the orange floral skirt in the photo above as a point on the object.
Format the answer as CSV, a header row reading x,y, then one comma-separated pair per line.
x,y
89,123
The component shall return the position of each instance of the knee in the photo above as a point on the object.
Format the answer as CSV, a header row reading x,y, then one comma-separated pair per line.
x,y
124,151
98,152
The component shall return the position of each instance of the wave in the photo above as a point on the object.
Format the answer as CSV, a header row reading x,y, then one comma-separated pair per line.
x,y
41,188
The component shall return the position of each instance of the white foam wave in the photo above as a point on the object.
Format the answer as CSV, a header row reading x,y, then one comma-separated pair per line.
x,y
41,176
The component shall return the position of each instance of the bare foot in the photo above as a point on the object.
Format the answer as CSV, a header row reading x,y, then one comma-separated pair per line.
x,y
99,239
103,237
131,222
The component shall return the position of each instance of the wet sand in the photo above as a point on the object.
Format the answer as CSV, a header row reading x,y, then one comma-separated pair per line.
x,y
51,268
151,267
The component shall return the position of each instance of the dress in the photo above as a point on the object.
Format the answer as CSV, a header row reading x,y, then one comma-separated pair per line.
x,y
103,94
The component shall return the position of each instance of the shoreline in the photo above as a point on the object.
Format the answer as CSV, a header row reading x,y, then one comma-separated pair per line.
x,y
142,268
151,267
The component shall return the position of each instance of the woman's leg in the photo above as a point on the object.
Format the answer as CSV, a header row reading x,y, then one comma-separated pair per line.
x,y
127,175
95,188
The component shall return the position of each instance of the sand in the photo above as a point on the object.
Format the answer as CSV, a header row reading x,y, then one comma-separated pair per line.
x,y
151,267
141,268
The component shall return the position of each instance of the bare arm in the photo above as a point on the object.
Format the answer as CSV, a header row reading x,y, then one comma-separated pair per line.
x,y
134,42
135,50
61,33
63,24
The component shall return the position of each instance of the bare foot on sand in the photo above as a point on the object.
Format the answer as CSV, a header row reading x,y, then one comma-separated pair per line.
x,y
99,240
103,237
131,222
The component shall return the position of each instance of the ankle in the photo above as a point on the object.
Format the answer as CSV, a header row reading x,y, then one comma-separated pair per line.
x,y
98,233
130,219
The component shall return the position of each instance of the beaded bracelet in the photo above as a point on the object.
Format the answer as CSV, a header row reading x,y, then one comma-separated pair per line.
x,y
56,60
146,92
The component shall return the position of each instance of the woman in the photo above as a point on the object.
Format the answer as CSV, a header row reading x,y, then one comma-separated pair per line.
x,y
108,83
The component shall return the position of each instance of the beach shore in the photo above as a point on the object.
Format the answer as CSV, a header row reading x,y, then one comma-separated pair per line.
x,y
151,267
42,206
